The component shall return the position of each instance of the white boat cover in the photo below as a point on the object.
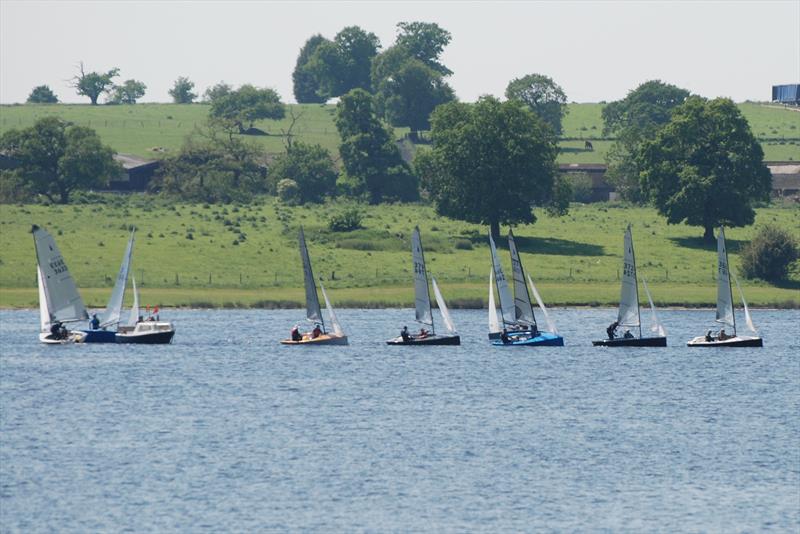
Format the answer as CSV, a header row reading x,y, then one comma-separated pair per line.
x,y
63,301
113,310
422,297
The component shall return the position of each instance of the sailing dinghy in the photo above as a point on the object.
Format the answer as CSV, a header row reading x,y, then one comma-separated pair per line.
x,y
318,336
517,318
422,305
111,316
725,314
629,315
59,301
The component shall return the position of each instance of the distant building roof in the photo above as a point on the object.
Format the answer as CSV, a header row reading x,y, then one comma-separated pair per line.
x,y
129,161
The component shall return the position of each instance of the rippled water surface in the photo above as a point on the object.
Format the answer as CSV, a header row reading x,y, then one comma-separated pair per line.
x,y
225,430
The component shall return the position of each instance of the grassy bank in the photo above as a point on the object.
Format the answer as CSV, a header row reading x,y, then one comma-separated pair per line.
x,y
150,130
198,255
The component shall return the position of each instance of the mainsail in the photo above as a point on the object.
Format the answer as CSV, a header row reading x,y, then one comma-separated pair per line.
x,y
494,321
133,318
113,310
724,295
337,328
448,321
523,311
422,297
313,312
629,297
63,301
506,300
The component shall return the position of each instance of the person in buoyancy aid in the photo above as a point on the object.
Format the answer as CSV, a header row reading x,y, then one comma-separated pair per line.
x,y
611,329
94,324
504,337
404,334
296,334
55,330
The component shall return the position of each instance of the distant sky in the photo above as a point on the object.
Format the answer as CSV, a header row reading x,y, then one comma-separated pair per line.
x,y
596,50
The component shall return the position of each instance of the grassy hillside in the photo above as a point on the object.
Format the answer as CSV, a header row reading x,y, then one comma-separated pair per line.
x,y
148,129
209,254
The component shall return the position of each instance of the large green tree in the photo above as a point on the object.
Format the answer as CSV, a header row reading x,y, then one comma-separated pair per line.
x,y
408,97
424,41
371,159
491,162
42,94
543,96
213,167
705,166
94,84
128,93
310,167
238,110
633,120
217,91
343,64
305,84
54,159
181,91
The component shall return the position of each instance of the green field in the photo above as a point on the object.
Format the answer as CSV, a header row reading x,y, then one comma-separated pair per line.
x,y
246,255
151,130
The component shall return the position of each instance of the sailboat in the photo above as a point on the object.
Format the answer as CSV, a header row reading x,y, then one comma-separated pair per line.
x,y
725,314
59,301
629,315
318,336
112,313
144,331
422,305
517,318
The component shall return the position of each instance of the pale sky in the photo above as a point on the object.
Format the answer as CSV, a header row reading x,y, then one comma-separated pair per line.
x,y
595,50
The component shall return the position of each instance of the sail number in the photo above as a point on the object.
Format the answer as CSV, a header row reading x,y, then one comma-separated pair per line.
x,y
419,268
58,266
723,268
628,269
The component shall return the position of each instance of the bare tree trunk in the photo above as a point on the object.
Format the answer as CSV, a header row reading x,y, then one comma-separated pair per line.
x,y
708,235
495,229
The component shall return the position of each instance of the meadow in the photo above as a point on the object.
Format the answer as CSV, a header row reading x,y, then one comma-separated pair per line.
x,y
246,254
152,130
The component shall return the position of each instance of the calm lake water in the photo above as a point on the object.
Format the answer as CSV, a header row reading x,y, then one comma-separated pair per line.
x,y
225,430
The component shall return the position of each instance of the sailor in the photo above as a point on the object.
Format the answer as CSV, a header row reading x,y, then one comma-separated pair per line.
x,y
504,337
628,334
611,329
296,334
534,331
316,332
722,335
55,330
709,338
94,324
404,334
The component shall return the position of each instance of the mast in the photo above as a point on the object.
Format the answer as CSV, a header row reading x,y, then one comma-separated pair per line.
x,y
422,295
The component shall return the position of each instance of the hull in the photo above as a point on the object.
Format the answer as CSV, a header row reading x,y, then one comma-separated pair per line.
x,y
324,339
100,336
147,333
544,339
737,341
73,337
632,342
424,341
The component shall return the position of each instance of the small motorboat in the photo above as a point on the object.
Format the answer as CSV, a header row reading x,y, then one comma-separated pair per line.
x,y
149,331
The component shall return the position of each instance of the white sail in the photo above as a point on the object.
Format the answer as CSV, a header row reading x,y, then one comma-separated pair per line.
x,y
747,319
63,301
724,295
113,310
448,321
551,326
523,311
422,297
44,315
313,312
656,327
337,328
133,318
494,320
506,300
629,295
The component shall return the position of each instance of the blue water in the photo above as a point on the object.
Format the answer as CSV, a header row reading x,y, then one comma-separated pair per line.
x,y
225,430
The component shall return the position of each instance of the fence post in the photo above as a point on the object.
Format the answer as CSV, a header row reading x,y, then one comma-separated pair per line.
x,y
141,276
209,278
177,280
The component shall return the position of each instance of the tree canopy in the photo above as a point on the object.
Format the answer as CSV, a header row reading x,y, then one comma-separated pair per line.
x,y
705,167
54,159
305,85
632,120
128,93
310,167
371,159
42,94
181,91
335,67
543,96
216,91
491,162
94,84
424,41
242,107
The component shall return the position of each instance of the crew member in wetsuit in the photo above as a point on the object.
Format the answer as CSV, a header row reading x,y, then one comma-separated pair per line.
x,y
611,329
504,337
404,334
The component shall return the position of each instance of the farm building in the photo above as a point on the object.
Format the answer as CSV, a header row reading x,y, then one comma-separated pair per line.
x,y
136,174
786,94
785,179
601,189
